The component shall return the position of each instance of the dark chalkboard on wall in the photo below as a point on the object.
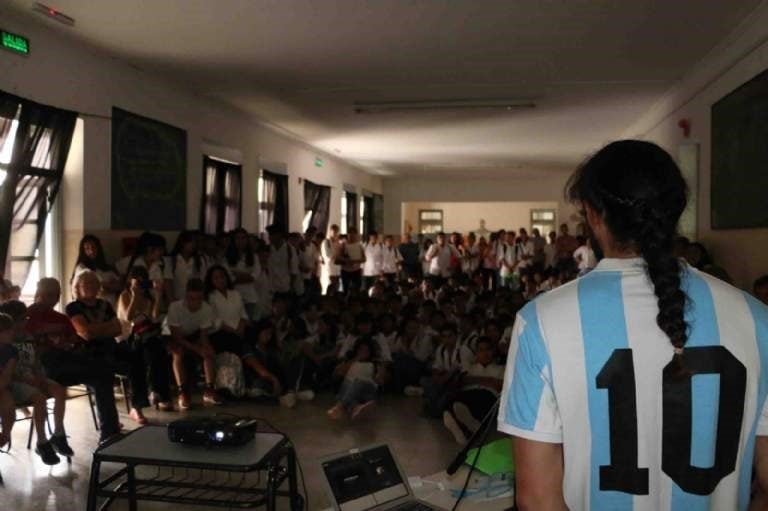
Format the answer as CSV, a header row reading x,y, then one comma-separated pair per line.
x,y
740,157
149,173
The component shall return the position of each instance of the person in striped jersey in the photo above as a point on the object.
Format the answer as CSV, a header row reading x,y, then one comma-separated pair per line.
x,y
641,386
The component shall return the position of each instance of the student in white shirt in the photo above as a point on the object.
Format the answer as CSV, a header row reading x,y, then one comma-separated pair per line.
x,y
584,256
374,255
470,260
230,318
479,390
440,256
329,252
410,355
508,261
362,378
244,268
91,257
150,253
526,251
352,257
186,263
189,322
550,250
391,260
283,261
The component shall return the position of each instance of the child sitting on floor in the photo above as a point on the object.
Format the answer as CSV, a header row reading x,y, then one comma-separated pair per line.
x,y
362,377
479,392
29,386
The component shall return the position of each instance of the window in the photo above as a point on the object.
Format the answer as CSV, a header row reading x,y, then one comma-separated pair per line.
x,y
317,202
344,213
543,220
430,221
349,218
222,196
273,200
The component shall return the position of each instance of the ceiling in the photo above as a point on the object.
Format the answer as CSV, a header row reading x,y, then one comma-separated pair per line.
x,y
592,67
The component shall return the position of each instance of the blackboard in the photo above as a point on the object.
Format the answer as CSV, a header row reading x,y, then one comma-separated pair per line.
x,y
149,173
740,157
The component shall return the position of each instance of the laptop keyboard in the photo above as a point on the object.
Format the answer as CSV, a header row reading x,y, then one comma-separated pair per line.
x,y
412,506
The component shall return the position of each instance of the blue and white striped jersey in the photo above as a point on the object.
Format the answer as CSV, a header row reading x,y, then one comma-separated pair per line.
x,y
586,368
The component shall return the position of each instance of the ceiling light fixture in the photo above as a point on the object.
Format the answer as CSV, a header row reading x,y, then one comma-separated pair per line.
x,y
379,107
54,14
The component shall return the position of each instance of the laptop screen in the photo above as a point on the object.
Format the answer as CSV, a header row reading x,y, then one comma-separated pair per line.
x,y
365,479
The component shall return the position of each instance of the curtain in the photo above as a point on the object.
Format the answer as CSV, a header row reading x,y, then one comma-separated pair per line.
x,y
274,202
351,211
32,179
317,200
367,215
378,213
222,196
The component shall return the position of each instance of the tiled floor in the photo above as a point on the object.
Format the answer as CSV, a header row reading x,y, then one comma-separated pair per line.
x,y
423,447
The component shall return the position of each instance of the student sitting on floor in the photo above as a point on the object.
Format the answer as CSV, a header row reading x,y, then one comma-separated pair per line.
x,y
319,352
479,392
29,386
362,377
271,379
410,358
451,361
188,323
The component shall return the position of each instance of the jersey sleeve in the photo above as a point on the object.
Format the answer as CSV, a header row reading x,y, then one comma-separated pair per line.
x,y
528,408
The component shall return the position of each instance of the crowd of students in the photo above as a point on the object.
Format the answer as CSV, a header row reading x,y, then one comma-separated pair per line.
x,y
243,316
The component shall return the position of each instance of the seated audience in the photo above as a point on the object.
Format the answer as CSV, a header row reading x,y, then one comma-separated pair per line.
x,y
91,257
188,323
451,361
362,377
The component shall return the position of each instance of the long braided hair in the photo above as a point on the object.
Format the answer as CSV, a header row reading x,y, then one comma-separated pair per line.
x,y
639,191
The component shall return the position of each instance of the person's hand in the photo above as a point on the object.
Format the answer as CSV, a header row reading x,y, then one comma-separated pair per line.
x,y
135,286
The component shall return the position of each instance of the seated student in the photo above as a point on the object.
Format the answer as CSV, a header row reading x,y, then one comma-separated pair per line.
x,y
468,332
231,318
188,323
364,328
29,386
450,362
150,253
97,324
265,356
139,312
64,357
362,377
410,357
311,315
262,308
319,355
91,257
760,289
479,390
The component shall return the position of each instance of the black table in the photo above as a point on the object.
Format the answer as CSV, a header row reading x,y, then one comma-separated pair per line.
x,y
192,475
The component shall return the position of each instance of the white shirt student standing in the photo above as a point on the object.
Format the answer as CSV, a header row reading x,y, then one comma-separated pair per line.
x,y
283,263
374,255
585,258
310,259
439,257
329,250
228,309
390,260
507,258
525,252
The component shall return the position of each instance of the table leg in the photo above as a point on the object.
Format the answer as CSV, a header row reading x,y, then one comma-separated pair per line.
x,y
132,487
271,491
93,485
293,483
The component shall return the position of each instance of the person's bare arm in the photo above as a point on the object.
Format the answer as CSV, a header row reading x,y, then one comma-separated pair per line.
x,y
760,501
539,473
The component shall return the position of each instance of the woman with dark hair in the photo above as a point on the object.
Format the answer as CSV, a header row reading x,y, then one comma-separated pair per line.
x,y
150,253
600,391
245,269
186,262
91,257
139,312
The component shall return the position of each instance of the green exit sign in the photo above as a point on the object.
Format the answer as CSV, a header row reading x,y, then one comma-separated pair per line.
x,y
14,42
318,162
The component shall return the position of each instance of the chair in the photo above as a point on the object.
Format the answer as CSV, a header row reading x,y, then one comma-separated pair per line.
x,y
84,391
122,380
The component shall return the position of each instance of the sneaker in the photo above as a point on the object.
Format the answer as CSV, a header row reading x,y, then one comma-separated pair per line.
x,y
61,446
211,397
412,391
450,422
306,395
288,400
464,416
363,409
47,454
184,401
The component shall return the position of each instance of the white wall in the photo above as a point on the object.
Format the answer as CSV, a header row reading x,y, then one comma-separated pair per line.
x,y
744,252
465,217
546,188
64,73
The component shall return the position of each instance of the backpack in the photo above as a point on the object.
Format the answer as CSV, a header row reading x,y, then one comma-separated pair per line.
x,y
229,374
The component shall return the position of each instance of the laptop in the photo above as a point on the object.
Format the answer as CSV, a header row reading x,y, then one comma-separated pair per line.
x,y
369,479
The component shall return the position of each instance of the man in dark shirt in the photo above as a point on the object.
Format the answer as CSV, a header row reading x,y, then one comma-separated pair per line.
x,y
410,253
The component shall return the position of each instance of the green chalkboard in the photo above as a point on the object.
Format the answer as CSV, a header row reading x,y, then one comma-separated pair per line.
x,y
149,173
740,157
